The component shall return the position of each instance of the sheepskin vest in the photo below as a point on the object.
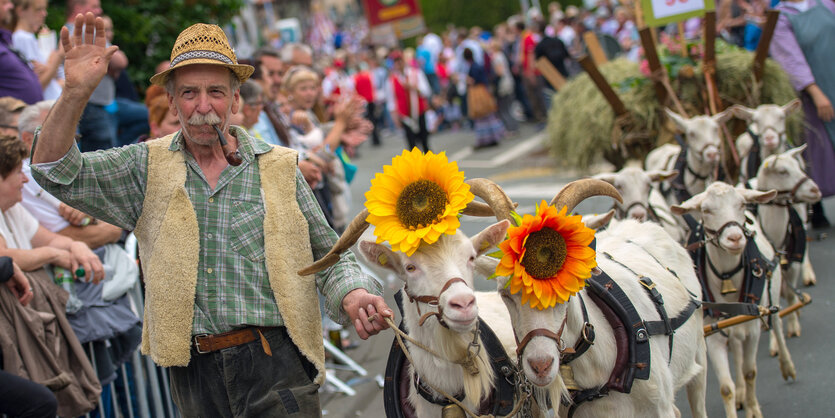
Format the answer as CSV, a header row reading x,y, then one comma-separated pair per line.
x,y
169,247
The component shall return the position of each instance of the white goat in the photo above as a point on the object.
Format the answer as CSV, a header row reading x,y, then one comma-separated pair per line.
x,y
439,278
784,173
426,272
722,209
640,247
703,145
766,134
641,201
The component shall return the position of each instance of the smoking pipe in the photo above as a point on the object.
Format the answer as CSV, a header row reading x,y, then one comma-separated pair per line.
x,y
233,157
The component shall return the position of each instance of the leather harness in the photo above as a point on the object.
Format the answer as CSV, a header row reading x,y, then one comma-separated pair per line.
x,y
756,268
631,333
397,378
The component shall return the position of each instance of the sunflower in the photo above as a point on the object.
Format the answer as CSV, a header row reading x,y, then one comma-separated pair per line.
x,y
416,199
547,256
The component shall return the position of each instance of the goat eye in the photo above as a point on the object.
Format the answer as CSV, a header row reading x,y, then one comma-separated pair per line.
x,y
411,268
706,211
472,258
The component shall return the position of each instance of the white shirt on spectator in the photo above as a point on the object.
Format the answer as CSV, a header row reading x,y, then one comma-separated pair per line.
x,y
18,227
27,44
40,204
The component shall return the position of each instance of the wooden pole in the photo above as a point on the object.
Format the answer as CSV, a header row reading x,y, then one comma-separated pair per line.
x,y
614,101
550,73
765,41
709,70
654,63
595,50
715,327
805,299
680,27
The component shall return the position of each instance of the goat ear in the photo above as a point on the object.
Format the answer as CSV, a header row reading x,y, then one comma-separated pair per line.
x,y
795,151
722,116
677,119
380,255
486,265
791,106
689,205
742,112
607,177
596,222
756,196
662,175
490,237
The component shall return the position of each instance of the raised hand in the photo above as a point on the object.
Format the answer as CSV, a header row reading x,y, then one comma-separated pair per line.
x,y
86,57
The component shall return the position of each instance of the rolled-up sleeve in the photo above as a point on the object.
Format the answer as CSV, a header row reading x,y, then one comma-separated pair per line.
x,y
107,184
340,279
786,51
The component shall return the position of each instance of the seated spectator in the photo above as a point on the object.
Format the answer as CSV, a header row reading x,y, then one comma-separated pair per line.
x,y
54,356
252,110
10,109
161,119
19,396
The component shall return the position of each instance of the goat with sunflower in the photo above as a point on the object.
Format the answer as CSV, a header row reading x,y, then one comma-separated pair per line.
x,y
595,313
454,357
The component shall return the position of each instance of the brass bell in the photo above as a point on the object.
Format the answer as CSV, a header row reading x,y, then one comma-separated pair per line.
x,y
728,287
567,374
453,411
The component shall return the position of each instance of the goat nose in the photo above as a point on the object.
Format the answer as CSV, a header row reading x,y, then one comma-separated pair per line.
x,y
735,237
541,366
463,303
815,190
712,155
639,215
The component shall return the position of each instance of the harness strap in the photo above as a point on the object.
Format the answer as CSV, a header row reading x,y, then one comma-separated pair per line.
x,y
427,393
754,159
582,396
586,338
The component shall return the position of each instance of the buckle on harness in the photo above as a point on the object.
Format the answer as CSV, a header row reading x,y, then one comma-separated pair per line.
x,y
588,333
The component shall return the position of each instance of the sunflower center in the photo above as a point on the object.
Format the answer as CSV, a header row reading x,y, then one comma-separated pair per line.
x,y
421,203
545,253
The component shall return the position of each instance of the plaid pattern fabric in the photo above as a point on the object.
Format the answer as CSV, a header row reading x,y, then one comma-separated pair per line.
x,y
232,285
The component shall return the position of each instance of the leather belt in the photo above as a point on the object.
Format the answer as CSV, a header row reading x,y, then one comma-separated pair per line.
x,y
205,343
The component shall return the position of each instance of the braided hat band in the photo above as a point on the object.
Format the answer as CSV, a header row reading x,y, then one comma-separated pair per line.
x,y
203,44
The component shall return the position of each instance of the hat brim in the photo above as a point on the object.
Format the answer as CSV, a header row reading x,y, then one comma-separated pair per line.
x,y
242,71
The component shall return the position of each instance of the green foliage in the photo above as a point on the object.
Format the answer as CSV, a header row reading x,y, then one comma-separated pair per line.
x,y
469,13
145,30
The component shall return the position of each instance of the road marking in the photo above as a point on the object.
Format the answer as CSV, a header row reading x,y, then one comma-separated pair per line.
x,y
508,155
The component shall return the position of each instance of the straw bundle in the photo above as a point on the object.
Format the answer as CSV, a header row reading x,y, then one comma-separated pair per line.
x,y
580,125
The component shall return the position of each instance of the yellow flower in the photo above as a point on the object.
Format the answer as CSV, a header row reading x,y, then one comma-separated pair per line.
x,y
548,257
416,199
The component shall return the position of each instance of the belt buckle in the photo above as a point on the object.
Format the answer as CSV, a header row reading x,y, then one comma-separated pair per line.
x,y
197,344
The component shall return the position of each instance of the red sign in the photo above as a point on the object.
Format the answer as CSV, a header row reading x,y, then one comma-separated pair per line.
x,y
379,12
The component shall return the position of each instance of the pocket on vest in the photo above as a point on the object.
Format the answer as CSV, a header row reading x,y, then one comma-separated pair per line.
x,y
247,232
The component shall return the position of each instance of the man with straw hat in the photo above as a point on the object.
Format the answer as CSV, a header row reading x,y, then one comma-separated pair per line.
x,y
220,243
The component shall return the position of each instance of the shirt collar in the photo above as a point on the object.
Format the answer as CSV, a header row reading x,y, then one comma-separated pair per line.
x,y
247,146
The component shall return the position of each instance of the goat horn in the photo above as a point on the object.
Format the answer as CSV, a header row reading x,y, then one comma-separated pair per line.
x,y
495,197
349,237
579,190
476,208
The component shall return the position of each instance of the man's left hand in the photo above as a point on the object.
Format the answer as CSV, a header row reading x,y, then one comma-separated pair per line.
x,y
360,305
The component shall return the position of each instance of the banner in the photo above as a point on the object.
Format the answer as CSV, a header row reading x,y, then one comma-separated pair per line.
x,y
661,12
398,18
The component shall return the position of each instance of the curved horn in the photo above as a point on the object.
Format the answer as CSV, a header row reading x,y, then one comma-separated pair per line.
x,y
579,190
500,204
480,209
349,237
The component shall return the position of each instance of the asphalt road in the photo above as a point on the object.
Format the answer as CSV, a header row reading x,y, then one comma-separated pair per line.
x,y
523,169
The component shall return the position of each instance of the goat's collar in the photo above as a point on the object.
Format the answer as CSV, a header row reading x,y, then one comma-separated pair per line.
x,y
712,236
788,197
432,301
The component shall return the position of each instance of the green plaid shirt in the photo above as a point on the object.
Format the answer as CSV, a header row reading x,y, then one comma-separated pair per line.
x,y
233,289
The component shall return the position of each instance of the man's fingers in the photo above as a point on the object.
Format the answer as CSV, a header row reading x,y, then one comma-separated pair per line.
x,y
77,28
110,51
101,39
361,332
65,39
90,28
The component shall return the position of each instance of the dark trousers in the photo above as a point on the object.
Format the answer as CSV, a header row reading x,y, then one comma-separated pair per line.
x,y
243,381
20,397
372,115
421,134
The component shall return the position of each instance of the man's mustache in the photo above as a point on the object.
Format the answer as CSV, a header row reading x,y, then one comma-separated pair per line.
x,y
210,118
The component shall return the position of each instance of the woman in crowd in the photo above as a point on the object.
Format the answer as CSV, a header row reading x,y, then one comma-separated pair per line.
x,y
804,44
488,128
29,18
302,88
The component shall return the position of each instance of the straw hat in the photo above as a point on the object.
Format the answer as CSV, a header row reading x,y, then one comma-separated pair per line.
x,y
203,44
